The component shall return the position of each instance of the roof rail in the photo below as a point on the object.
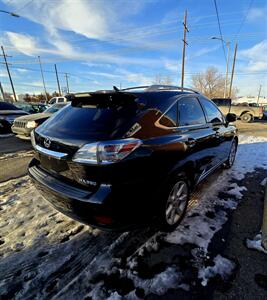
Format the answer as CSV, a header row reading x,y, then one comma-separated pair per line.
x,y
160,87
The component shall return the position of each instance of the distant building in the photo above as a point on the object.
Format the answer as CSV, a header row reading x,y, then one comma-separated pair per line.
x,y
250,99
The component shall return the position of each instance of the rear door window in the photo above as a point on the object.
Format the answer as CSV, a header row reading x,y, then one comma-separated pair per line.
x,y
213,114
190,112
169,119
60,100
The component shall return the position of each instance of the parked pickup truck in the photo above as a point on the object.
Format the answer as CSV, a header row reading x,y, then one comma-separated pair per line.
x,y
244,112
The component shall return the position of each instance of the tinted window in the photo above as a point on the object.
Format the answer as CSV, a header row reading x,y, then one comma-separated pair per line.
x,y
190,112
79,121
7,106
213,113
60,100
169,119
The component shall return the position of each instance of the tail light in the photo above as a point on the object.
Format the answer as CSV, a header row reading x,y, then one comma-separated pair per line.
x,y
106,152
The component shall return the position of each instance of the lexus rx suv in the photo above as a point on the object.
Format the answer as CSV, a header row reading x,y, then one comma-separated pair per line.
x,y
116,159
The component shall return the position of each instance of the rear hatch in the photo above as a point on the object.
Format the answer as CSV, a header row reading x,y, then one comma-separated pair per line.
x,y
89,118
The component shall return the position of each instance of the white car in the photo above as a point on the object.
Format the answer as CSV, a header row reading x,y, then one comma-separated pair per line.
x,y
55,100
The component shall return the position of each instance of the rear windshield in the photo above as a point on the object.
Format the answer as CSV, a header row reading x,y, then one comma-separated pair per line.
x,y
78,121
7,106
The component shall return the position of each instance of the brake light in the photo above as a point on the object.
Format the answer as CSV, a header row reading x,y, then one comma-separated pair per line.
x,y
106,152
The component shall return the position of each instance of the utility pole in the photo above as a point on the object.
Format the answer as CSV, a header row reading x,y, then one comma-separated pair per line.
x,y
227,66
2,91
259,94
41,69
233,70
58,85
67,82
185,43
9,75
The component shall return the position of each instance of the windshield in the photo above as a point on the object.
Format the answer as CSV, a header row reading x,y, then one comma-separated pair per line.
x,y
54,108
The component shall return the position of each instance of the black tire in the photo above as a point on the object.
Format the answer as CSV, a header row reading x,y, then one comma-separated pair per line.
x,y
179,181
246,118
231,157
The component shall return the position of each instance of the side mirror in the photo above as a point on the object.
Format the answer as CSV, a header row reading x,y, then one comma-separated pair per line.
x,y
231,118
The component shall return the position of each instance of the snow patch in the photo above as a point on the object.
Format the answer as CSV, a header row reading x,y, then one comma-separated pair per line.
x,y
236,190
256,243
264,182
222,266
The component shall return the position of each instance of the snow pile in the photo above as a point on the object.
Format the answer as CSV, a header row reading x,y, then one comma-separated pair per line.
x,y
222,266
256,243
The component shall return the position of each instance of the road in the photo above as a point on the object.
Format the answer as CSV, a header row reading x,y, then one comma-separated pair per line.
x,y
11,144
257,128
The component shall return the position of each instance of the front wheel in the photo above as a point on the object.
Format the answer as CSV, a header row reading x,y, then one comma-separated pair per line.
x,y
246,118
175,203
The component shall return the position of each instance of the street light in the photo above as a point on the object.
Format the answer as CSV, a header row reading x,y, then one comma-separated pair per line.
x,y
227,62
9,13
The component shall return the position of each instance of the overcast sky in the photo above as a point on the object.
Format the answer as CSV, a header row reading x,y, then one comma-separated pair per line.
x,y
126,42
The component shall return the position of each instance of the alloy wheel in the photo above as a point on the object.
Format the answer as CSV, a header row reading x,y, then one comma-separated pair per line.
x,y
176,203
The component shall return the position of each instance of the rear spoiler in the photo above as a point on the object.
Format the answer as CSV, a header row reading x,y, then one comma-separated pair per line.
x,y
101,98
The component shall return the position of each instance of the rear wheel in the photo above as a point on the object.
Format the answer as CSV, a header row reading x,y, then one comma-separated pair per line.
x,y
175,203
232,154
246,118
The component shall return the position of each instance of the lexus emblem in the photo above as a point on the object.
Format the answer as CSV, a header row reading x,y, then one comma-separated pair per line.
x,y
47,142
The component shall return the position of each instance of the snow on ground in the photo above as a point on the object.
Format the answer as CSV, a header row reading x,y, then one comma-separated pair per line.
x,y
256,243
44,254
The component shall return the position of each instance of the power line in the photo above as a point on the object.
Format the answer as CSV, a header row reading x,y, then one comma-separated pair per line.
x,y
220,30
244,19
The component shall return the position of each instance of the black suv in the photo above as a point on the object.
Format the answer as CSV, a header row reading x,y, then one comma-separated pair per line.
x,y
115,159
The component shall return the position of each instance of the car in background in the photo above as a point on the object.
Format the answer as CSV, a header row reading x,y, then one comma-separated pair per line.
x,y
117,159
23,126
55,100
264,112
31,108
243,111
8,113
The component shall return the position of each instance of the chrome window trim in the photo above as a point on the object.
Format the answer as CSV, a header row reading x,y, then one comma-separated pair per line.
x,y
54,154
179,127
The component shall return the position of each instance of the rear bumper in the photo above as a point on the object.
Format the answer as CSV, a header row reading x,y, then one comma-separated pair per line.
x,y
102,208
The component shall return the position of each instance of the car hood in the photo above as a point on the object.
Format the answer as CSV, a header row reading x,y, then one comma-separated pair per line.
x,y
35,117
13,112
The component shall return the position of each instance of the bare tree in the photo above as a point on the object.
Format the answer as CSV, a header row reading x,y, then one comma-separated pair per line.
x,y
164,80
211,83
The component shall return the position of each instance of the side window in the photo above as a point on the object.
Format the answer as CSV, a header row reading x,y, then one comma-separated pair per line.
x,y
213,113
52,101
169,119
60,100
190,112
